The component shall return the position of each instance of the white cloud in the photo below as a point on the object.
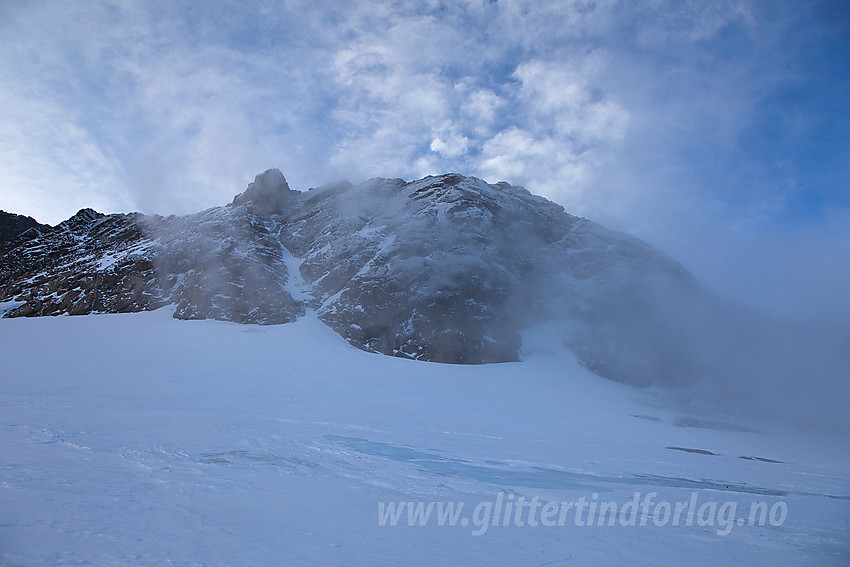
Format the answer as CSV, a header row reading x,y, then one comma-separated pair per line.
x,y
546,164
449,142
50,163
480,109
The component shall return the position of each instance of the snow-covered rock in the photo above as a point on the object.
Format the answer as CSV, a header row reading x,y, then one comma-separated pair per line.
x,y
15,229
445,269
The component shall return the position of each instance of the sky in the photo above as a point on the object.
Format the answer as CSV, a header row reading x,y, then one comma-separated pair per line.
x,y
717,131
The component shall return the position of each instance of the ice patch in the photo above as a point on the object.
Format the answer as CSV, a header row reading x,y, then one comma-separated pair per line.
x,y
7,306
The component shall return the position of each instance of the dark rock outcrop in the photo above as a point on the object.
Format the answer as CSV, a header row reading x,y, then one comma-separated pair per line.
x,y
267,194
15,229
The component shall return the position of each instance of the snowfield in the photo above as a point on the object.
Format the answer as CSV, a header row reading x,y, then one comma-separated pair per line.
x,y
138,439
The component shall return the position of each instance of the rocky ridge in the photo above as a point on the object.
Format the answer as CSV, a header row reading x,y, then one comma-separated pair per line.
x,y
444,269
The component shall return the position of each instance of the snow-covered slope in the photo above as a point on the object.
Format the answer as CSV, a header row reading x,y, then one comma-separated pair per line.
x,y
137,439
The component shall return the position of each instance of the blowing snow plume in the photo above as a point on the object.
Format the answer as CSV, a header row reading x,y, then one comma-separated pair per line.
x,y
444,269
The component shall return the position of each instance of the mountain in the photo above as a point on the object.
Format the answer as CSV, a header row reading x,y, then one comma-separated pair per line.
x,y
444,269
15,229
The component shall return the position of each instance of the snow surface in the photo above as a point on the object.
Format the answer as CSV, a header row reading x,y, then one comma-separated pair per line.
x,y
138,439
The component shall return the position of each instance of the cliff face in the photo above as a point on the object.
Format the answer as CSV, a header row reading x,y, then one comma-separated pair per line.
x,y
446,269
15,229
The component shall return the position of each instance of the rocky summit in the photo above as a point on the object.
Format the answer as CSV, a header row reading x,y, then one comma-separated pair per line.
x,y
445,269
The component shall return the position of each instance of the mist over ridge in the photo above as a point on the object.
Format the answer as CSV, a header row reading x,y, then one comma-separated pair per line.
x,y
445,269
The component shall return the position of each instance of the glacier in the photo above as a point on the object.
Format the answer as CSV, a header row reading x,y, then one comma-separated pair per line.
x,y
139,439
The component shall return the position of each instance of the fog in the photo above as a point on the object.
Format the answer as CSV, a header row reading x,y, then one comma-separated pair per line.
x,y
709,351
509,262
